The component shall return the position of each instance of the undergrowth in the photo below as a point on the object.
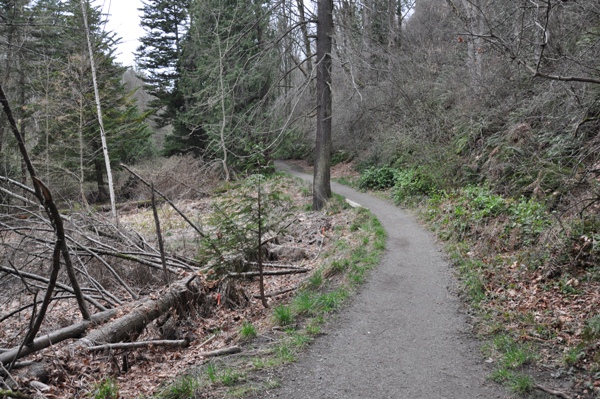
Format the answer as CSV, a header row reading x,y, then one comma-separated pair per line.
x,y
345,265
530,276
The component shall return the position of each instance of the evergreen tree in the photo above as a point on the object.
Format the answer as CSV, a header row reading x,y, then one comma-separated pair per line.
x,y
166,24
227,75
77,137
59,111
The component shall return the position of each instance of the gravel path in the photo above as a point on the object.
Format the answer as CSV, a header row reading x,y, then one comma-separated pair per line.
x,y
404,335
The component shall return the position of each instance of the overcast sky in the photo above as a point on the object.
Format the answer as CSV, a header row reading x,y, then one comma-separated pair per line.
x,y
124,19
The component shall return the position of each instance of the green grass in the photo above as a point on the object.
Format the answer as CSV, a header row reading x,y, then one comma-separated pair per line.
x,y
322,293
315,280
247,331
304,303
183,387
105,389
511,356
283,315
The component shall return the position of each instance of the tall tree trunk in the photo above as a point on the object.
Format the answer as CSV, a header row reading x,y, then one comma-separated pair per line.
x,y
111,188
322,169
367,13
224,116
393,25
305,37
475,26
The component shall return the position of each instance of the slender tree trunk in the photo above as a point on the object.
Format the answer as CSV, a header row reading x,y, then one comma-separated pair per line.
x,y
305,37
223,108
111,188
475,25
367,12
393,25
322,169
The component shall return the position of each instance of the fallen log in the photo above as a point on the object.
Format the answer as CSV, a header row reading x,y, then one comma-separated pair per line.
x,y
135,317
139,344
138,316
44,341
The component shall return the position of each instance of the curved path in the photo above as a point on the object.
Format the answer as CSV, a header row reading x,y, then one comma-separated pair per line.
x,y
404,335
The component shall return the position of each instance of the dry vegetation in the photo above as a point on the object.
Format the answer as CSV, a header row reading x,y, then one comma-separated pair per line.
x,y
120,268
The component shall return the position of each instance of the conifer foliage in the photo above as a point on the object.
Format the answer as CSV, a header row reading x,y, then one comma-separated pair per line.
x,y
166,24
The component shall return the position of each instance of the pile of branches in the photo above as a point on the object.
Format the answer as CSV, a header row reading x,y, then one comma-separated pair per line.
x,y
48,257
119,281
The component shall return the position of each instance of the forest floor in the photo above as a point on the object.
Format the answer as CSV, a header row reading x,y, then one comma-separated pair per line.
x,y
405,334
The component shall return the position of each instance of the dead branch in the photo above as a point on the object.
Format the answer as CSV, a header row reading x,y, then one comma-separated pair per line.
x,y
24,307
192,224
141,344
220,352
43,194
268,273
280,292
277,266
554,392
63,287
159,237
111,270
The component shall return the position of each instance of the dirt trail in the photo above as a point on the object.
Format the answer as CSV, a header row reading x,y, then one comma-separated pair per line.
x,y
404,335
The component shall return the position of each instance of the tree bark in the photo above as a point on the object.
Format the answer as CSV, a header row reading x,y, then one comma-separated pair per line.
x,y
322,169
139,315
305,36
111,188
73,331
135,318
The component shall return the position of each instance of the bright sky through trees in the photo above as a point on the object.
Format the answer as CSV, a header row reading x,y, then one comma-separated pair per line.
x,y
124,19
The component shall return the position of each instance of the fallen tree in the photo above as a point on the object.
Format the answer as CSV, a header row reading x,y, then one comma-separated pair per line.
x,y
136,316
130,320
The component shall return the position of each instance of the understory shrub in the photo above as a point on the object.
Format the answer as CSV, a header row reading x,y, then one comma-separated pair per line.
x,y
412,182
375,178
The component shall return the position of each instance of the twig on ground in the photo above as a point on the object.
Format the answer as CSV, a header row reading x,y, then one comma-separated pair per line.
x,y
554,392
221,352
140,344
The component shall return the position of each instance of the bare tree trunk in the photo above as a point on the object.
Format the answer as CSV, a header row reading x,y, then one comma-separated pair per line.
x,y
322,169
223,110
475,25
394,19
305,36
159,236
367,13
111,188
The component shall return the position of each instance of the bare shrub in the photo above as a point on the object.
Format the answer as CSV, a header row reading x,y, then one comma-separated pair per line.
x,y
178,177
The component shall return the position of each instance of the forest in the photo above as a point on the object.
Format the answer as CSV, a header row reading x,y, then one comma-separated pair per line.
x,y
154,188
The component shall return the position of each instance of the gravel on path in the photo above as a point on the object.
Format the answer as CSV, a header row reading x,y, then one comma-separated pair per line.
x,y
404,334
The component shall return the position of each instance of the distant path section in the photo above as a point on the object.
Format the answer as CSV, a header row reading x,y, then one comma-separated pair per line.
x,y
404,335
